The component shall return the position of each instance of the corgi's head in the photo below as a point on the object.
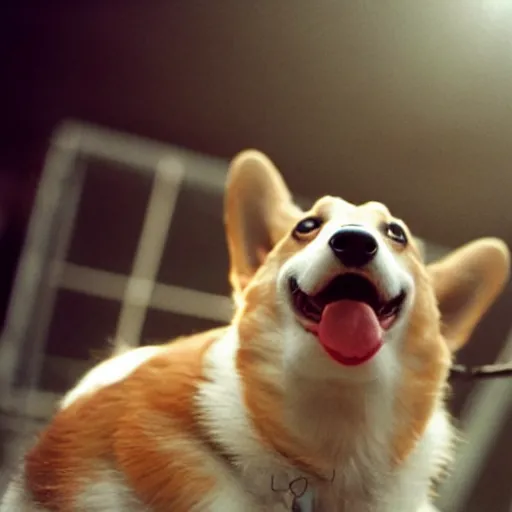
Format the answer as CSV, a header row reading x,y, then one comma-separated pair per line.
x,y
342,290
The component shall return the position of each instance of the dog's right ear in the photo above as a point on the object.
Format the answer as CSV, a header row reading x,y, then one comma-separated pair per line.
x,y
258,212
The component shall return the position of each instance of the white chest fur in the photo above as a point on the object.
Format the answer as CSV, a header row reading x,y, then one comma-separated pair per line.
x,y
363,485
355,433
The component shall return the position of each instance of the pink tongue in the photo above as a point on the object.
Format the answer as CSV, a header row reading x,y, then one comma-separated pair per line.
x,y
350,331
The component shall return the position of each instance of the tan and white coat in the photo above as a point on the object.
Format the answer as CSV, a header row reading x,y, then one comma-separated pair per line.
x,y
208,422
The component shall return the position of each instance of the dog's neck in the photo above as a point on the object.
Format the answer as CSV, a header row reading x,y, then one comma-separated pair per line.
x,y
341,418
330,418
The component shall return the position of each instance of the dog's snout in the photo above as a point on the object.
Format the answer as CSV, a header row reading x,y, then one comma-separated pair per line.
x,y
354,246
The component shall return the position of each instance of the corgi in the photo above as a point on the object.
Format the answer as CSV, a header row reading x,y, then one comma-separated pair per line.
x,y
325,393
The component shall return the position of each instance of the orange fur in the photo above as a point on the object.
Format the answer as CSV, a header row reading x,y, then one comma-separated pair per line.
x,y
135,425
426,360
263,388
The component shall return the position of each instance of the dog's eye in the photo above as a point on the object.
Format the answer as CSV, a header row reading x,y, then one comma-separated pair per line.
x,y
307,226
396,233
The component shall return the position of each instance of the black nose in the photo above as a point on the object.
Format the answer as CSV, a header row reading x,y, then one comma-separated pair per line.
x,y
353,246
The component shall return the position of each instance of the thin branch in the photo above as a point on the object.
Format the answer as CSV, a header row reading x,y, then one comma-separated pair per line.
x,y
489,371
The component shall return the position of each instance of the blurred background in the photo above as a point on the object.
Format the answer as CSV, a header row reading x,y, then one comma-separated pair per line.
x,y
118,119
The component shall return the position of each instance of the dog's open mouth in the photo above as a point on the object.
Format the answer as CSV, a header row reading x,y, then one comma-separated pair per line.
x,y
346,287
349,316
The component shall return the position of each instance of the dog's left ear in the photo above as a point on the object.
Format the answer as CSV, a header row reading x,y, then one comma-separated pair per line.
x,y
258,212
466,283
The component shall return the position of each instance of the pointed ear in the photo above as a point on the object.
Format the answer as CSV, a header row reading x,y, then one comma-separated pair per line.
x,y
258,212
466,283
